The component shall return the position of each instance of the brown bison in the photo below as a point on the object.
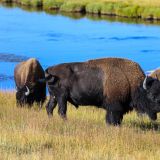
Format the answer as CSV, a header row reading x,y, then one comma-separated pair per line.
x,y
30,88
114,84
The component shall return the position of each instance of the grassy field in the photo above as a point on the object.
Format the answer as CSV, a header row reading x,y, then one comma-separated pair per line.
x,y
146,9
28,134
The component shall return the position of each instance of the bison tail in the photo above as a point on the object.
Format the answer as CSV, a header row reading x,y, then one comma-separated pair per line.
x,y
49,77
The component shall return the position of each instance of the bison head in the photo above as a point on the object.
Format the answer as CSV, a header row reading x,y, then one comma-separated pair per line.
x,y
22,94
152,97
152,87
147,97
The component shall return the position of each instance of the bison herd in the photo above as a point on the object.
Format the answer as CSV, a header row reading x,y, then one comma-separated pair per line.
x,y
114,84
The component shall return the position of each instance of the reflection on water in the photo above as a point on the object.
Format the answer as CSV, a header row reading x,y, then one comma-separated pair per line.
x,y
94,17
54,38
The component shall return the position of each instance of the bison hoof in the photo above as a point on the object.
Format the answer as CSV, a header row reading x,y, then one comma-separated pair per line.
x,y
153,116
50,115
64,117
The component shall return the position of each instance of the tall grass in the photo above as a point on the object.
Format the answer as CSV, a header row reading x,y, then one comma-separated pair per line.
x,y
145,9
27,133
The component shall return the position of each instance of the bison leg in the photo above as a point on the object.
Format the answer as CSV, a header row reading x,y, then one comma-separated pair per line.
x,y
114,117
62,103
51,105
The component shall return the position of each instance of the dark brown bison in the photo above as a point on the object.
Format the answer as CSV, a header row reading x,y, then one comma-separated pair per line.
x,y
117,85
30,88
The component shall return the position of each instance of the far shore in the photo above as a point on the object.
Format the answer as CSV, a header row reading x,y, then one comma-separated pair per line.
x,y
142,9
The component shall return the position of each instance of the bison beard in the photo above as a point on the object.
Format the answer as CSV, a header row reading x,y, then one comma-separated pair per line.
x,y
113,84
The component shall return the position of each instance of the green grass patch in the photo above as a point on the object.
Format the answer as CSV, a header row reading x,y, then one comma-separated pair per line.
x,y
73,6
144,9
25,2
94,8
34,3
128,11
108,8
151,12
52,4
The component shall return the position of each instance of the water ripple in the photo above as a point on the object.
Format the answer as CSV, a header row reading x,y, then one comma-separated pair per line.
x,y
55,35
149,51
4,77
7,57
133,38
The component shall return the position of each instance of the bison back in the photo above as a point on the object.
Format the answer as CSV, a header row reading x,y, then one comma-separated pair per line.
x,y
28,71
122,78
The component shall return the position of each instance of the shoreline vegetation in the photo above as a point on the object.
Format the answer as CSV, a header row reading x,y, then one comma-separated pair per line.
x,y
142,9
28,133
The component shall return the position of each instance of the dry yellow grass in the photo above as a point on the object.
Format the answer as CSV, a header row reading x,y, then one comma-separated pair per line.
x,y
28,134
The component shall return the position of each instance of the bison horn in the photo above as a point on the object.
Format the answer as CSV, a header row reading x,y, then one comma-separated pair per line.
x,y
144,83
27,93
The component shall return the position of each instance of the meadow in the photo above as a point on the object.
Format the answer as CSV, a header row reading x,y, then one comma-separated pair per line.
x,y
145,9
28,133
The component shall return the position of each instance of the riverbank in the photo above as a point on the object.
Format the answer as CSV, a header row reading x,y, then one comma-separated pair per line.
x,y
145,9
28,133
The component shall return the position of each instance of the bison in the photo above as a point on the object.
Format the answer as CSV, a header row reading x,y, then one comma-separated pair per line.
x,y
114,84
28,77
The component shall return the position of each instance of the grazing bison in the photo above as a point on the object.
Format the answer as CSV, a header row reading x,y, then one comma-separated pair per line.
x,y
30,88
114,84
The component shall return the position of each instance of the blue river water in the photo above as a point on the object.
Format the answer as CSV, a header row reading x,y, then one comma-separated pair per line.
x,y
54,39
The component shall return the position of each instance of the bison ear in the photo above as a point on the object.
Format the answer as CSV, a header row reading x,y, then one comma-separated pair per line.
x,y
148,81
